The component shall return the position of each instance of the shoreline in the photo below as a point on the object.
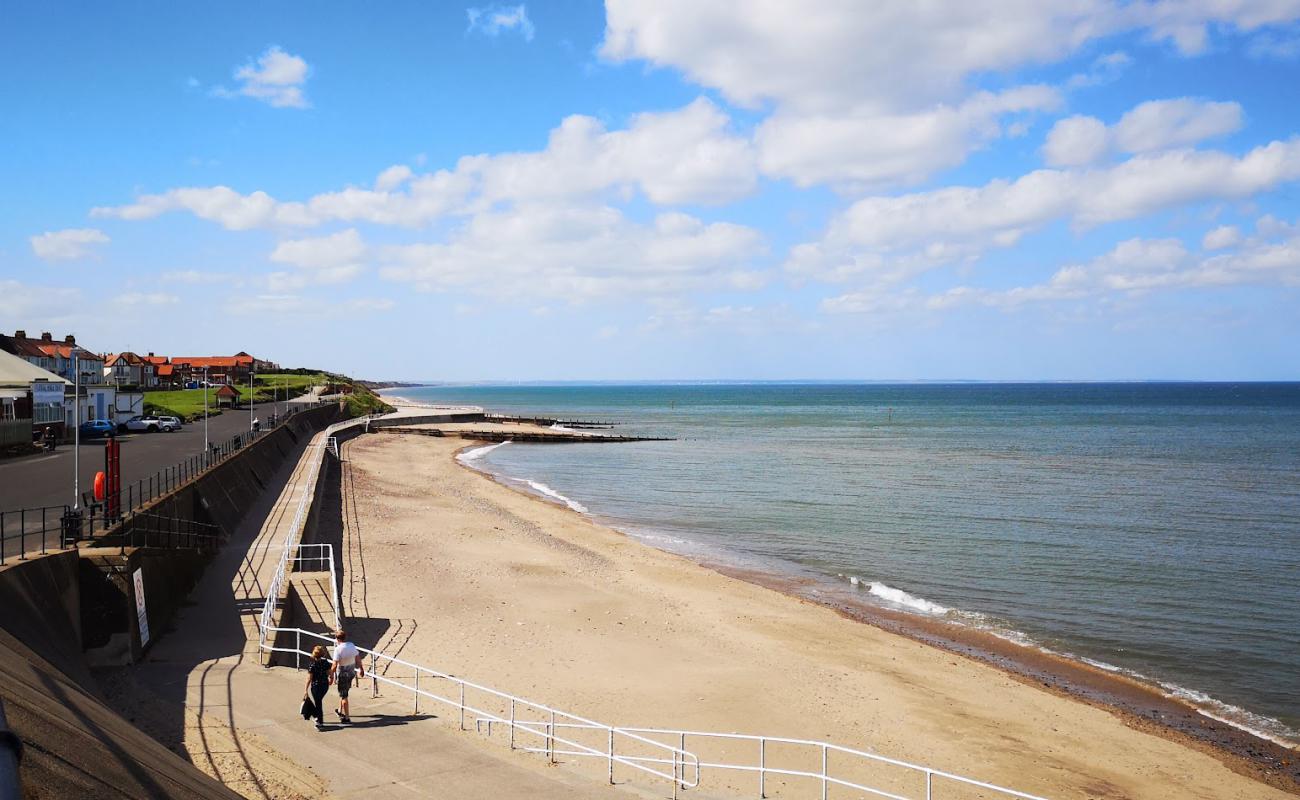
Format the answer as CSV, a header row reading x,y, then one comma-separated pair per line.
x,y
1140,705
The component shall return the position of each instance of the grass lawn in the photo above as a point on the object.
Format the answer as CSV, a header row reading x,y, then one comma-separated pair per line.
x,y
188,403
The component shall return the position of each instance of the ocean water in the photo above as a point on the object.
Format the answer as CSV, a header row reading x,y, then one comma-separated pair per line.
x,y
1151,528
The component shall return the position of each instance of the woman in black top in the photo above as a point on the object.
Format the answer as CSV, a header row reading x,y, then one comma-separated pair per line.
x,y
318,682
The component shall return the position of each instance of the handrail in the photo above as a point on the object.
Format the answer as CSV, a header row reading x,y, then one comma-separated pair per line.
x,y
549,729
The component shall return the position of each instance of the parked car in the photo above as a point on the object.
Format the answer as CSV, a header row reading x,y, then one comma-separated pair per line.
x,y
151,424
97,428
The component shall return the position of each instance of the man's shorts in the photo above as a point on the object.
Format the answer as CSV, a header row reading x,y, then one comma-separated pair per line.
x,y
345,679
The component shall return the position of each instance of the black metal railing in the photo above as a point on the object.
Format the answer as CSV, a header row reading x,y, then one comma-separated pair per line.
x,y
36,531
138,493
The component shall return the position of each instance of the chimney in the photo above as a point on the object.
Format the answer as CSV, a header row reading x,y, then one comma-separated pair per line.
x,y
47,337
151,354
20,334
69,339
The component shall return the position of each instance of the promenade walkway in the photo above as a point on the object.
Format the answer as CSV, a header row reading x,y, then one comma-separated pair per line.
x,y
238,720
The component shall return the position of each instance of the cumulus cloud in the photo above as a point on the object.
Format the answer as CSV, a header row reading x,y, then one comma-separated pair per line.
x,y
901,109
37,304
275,78
146,299
336,258
578,253
912,232
1221,237
1151,126
866,149
494,20
68,244
1134,266
687,155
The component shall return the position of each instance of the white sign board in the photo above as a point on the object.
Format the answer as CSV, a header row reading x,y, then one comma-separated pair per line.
x,y
47,393
140,608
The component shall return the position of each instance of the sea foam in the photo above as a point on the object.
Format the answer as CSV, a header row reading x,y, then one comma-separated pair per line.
x,y
479,452
543,489
902,598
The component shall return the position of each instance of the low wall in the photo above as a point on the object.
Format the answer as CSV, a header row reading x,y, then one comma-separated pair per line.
x,y
430,419
74,745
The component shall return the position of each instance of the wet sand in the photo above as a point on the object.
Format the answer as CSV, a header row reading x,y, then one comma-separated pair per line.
x,y
469,576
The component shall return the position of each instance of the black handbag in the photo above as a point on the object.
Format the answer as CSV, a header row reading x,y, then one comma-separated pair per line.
x,y
308,708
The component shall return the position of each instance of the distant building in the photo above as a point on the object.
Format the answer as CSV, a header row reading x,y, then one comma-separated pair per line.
x,y
129,369
227,396
218,369
56,355
31,400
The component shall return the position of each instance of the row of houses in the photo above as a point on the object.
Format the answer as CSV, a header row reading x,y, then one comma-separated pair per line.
x,y
49,383
130,369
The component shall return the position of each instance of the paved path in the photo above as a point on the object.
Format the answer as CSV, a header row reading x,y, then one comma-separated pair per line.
x,y
208,661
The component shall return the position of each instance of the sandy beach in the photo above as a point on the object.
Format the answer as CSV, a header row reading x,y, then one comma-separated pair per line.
x,y
460,573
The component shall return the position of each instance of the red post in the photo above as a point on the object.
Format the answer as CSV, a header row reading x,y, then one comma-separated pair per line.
x,y
113,479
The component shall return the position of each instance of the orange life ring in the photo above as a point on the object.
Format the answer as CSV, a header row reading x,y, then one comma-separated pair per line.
x,y
99,485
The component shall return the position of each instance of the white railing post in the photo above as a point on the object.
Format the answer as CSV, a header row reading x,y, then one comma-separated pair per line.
x,y
297,649
512,723
551,738
417,692
823,772
611,756
462,705
762,768
374,676
929,785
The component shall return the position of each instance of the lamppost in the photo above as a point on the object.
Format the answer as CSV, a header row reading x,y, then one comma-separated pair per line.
x,y
205,416
76,432
250,398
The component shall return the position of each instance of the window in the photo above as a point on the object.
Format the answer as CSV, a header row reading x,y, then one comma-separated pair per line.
x,y
7,408
47,412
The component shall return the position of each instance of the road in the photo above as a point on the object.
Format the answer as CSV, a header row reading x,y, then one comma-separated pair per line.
x,y
46,480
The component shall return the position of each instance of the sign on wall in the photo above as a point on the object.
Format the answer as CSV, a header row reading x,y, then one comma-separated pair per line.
x,y
47,393
140,607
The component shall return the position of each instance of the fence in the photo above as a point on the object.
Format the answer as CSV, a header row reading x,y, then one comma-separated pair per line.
x,y
551,732
15,432
39,530
147,489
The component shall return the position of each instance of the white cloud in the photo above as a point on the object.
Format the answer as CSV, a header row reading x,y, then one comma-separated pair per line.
x,y
146,299
1151,126
1076,141
687,155
68,244
873,94
908,233
1162,124
1134,266
337,249
1104,69
276,78
1221,237
392,178
819,60
194,277
493,20
579,253
865,149
22,303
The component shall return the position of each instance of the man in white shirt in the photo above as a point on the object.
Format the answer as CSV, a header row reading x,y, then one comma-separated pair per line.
x,y
348,666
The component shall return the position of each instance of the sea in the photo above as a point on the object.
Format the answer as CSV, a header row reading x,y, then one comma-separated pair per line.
x,y
1150,529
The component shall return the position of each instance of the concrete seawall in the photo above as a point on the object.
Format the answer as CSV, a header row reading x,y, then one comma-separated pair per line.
x,y
69,610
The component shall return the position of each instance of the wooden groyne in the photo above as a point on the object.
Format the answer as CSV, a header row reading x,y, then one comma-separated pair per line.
x,y
546,422
548,437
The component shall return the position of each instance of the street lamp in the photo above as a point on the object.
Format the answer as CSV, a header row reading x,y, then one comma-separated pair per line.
x,y
205,415
250,398
76,431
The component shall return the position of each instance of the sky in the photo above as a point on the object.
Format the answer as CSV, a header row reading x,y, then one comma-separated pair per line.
x,y
676,190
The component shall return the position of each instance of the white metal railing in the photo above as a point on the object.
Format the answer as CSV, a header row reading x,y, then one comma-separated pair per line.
x,y
320,558
295,527
642,750
520,715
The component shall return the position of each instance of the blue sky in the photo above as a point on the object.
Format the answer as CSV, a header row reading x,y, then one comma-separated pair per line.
x,y
675,190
